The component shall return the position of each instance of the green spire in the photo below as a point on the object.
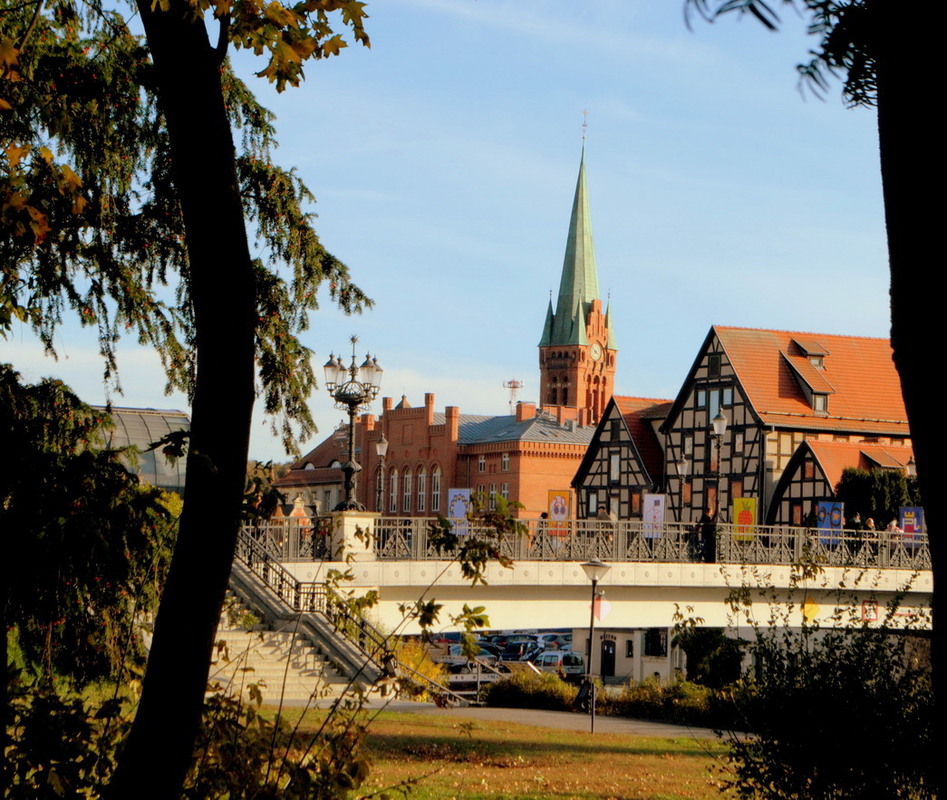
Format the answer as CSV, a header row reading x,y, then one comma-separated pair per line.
x,y
578,286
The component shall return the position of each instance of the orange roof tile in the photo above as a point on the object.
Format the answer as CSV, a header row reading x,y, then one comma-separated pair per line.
x,y
864,391
835,457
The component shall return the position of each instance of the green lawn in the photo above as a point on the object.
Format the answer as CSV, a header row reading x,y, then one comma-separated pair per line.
x,y
452,758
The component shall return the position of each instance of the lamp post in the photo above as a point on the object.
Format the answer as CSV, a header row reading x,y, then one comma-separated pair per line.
x,y
682,465
381,450
352,387
595,570
719,424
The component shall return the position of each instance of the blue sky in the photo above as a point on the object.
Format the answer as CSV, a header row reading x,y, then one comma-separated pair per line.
x,y
444,162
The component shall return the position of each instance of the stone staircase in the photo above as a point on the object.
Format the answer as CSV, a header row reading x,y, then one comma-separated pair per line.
x,y
283,662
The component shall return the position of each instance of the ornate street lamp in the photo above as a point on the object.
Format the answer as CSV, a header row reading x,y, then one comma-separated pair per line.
x,y
595,570
381,450
352,388
719,424
682,465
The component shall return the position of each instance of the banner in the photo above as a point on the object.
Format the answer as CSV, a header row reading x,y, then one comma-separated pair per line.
x,y
560,509
743,514
912,523
830,522
652,515
458,504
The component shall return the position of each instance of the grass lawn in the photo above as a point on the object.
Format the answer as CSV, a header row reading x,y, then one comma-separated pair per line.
x,y
454,758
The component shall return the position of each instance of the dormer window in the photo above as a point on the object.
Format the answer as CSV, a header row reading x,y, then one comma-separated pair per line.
x,y
817,361
820,402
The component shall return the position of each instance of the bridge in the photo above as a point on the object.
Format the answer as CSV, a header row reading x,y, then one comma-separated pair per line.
x,y
656,570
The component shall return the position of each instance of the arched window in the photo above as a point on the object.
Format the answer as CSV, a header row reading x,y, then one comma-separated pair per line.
x,y
436,488
393,491
422,488
406,502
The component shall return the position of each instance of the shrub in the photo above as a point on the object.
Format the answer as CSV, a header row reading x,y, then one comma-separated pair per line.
x,y
680,702
528,690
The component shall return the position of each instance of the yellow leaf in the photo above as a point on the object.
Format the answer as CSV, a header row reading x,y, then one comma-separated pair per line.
x,y
46,154
4,105
9,55
331,47
72,180
15,153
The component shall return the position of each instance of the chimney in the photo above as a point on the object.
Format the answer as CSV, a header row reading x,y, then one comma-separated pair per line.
x,y
429,408
452,415
385,405
525,411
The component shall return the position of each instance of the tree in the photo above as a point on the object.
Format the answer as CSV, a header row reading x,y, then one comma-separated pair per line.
x,y
889,55
119,173
91,545
876,494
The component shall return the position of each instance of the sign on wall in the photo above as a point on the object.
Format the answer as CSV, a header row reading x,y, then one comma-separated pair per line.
x,y
830,522
560,509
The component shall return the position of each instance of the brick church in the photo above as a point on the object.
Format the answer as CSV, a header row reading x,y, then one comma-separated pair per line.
x,y
522,456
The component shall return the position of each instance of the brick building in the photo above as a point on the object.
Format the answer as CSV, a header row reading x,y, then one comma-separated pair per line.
x,y
519,456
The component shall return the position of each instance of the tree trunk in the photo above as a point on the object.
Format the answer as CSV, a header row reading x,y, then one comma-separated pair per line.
x,y
907,47
156,757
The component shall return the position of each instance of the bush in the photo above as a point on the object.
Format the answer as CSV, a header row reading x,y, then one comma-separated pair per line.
x,y
528,690
680,702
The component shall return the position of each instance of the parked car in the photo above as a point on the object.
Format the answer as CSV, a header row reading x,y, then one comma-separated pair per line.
x,y
521,651
568,665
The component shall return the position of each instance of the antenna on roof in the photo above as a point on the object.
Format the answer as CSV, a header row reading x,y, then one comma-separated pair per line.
x,y
514,386
585,124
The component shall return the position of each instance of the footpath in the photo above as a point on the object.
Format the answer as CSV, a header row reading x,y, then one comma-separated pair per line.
x,y
563,720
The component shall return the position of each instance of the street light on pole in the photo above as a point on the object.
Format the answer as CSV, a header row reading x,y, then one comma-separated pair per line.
x,y
381,450
594,570
352,387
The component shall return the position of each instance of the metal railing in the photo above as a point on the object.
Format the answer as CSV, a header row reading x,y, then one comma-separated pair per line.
x,y
291,539
635,541
255,551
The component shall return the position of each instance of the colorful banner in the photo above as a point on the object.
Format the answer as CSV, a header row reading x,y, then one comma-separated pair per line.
x,y
912,523
652,515
830,522
743,514
458,504
560,510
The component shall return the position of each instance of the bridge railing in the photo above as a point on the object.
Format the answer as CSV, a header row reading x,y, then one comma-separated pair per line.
x,y
292,539
634,541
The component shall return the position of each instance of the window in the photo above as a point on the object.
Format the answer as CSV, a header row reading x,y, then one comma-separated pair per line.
x,y
629,648
493,497
727,399
505,462
795,514
505,491
738,443
808,470
614,466
688,445
481,464
592,502
615,429
736,489
702,398
820,402
636,504
422,488
393,491
436,489
713,365
686,493
656,642
406,503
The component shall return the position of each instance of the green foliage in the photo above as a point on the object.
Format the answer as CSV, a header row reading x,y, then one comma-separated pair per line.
x,y
681,702
820,697
92,545
92,222
528,690
877,493
713,658
845,39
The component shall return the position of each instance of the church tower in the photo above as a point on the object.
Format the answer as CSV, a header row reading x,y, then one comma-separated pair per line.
x,y
577,350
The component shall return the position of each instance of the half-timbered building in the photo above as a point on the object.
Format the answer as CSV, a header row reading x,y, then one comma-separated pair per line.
x,y
624,460
815,469
774,390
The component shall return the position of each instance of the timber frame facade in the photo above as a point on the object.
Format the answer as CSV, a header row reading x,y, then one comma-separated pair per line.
x,y
777,390
623,461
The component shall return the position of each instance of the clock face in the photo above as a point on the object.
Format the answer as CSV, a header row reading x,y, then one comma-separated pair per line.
x,y
596,351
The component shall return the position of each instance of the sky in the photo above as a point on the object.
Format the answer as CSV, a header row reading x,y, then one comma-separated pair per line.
x,y
444,161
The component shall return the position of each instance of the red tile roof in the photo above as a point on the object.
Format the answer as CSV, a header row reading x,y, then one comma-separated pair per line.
x,y
835,457
858,374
